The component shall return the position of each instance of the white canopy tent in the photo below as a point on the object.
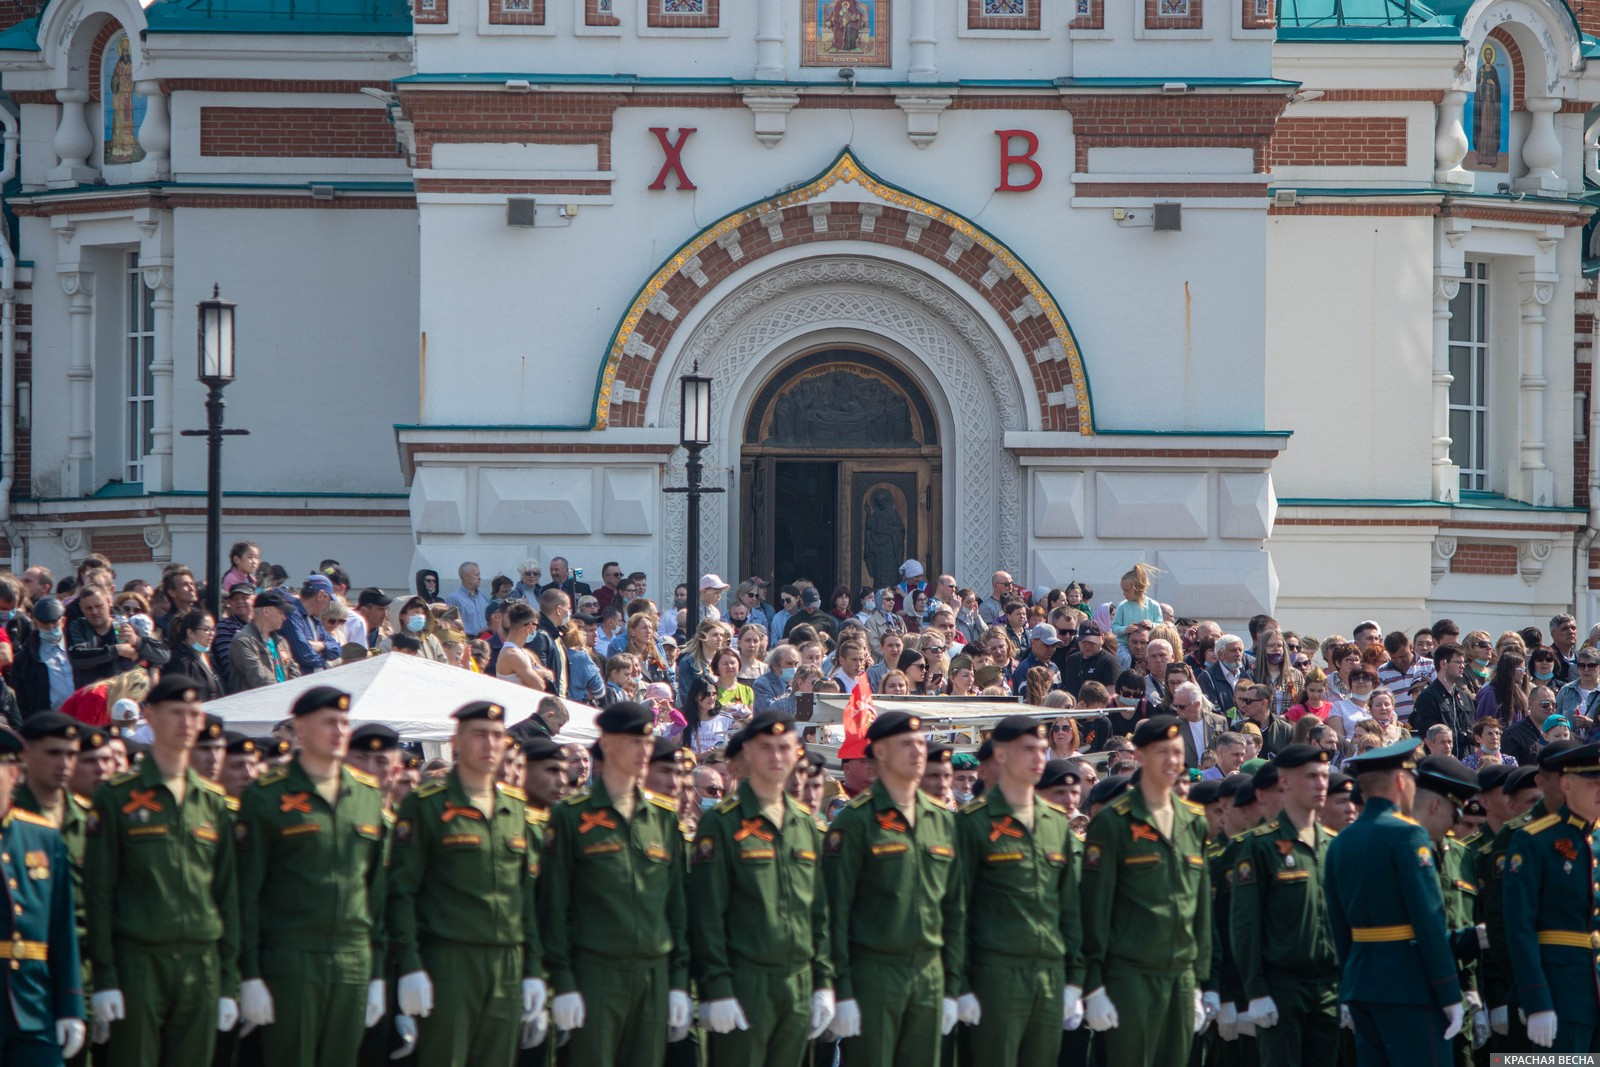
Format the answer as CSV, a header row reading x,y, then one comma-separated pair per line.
x,y
413,696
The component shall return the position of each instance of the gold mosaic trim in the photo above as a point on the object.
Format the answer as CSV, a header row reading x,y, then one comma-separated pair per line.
x,y
846,169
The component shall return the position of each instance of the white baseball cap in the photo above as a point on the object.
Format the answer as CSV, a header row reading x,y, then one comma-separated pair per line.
x,y
711,581
125,710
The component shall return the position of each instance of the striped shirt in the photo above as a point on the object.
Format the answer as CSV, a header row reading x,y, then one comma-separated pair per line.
x,y
1400,683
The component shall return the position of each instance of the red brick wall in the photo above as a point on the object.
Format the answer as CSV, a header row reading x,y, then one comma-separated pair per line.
x,y
709,19
499,16
1582,382
121,545
324,132
15,11
977,20
1484,559
1339,142
1155,20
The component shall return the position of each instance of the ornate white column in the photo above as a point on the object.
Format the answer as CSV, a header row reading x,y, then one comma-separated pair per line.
x,y
1541,149
158,464
769,40
77,473
1538,481
1450,142
73,141
155,132
1446,475
924,42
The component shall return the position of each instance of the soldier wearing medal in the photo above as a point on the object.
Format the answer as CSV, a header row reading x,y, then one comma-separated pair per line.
x,y
1520,793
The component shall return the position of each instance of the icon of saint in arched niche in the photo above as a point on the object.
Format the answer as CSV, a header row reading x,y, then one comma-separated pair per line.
x,y
1490,110
123,108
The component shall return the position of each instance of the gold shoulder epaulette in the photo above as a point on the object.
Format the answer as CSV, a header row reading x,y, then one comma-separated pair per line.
x,y
1265,830
1215,850
389,817
363,777
1521,820
536,815
231,802
975,804
1122,805
272,777
124,778
432,788
664,803
577,798
513,792
37,820
1192,806
1330,831
1405,818
727,803
82,801
864,797
212,787
1539,826
1052,805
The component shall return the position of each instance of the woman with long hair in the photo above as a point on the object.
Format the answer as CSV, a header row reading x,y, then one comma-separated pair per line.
x,y
191,651
842,605
1038,685
1273,670
1506,696
709,726
642,646
915,669
1064,739
694,659
752,644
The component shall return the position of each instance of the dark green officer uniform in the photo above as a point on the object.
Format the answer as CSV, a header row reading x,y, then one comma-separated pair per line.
x,y
311,895
891,891
614,913
1283,943
1147,927
1498,985
1452,858
74,834
461,908
163,913
41,980
1016,939
758,925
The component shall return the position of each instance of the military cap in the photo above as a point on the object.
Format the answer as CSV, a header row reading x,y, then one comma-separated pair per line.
x,y
626,717
1583,761
238,744
1266,777
890,724
1447,776
374,737
480,709
1551,753
412,762
960,663
964,761
1251,766
768,722
273,747
51,724
1473,807
939,753
318,697
1206,791
174,687
734,745
10,745
987,675
1230,785
1400,756
1519,779
1490,775
985,751
1014,726
665,751
211,732
89,740
1250,728
1108,789
542,747
1340,783
1059,772
815,761
1299,756
1245,794
1156,728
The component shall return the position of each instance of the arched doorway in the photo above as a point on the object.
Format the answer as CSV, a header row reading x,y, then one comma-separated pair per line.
x,y
840,473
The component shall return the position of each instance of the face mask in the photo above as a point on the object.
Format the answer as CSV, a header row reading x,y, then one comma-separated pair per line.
x,y
1360,698
416,623
707,803
198,647
1128,702
50,637
962,798
1544,676
680,602
1481,661
869,605
1274,657
787,674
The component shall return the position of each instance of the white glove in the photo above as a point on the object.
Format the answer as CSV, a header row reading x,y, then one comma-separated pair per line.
x,y
69,1035
846,1020
108,1006
227,1014
1498,1021
724,1016
1455,1016
680,1013
968,1010
1228,1022
1483,937
1541,1028
416,994
1071,1007
1263,1012
1212,1003
676,1034
1201,1014
535,1031
1345,1021
406,1027
1247,1025
822,1008
951,1014
566,1011
533,998
377,1003
255,1003
1480,1029
1099,1012
99,1032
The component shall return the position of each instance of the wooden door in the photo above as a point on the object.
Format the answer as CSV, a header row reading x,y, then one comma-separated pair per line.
x,y
888,513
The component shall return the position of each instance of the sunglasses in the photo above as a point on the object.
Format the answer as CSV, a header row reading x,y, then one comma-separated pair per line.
x,y
1547,703
1131,694
713,791
533,574
1061,729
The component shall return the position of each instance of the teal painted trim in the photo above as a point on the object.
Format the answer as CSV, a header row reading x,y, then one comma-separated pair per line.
x,y
1469,501
600,375
23,37
118,490
349,18
501,77
1372,34
1192,433
1156,83
401,427
350,187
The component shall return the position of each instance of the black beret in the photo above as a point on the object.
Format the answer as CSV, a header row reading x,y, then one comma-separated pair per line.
x,y
374,737
239,744
1108,789
480,709
1340,783
174,687
211,731
1583,761
1400,756
1490,775
1550,755
1156,728
1266,777
273,747
1519,779
51,724
626,717
985,751
1205,791
890,724
939,753
90,740
541,747
1014,726
1446,775
412,762
318,697
768,722
1230,785
1473,807
1245,794
1299,756
816,761
734,744
1059,772
665,751
10,745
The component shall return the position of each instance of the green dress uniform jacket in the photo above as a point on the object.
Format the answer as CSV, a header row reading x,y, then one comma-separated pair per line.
x,y
73,830
40,976
1550,901
1279,914
1495,973
1459,887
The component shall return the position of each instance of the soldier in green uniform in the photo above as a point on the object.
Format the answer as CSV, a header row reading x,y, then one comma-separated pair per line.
x,y
1237,821
613,907
889,862
460,912
41,984
50,757
758,924
1398,980
1279,920
544,783
311,893
1552,909
210,750
1520,791
1147,911
163,896
1015,947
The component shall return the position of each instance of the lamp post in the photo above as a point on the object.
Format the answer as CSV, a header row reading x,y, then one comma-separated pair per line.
x,y
694,433
215,343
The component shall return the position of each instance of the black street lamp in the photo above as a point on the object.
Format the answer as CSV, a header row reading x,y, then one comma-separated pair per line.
x,y
215,342
694,433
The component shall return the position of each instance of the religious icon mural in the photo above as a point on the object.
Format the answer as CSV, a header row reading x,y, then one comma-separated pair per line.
x,y
122,108
1488,111
845,33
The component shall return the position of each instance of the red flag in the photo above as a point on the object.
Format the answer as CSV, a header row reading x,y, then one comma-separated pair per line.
x,y
858,715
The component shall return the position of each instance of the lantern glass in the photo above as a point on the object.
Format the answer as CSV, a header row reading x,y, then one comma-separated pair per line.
x,y
216,340
695,429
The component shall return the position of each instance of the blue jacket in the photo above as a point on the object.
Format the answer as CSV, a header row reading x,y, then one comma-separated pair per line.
x,y
300,629
584,682
36,894
1548,897
772,693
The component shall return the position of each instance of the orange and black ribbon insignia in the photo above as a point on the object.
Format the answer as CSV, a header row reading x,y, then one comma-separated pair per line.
x,y
752,828
890,820
1566,848
1003,828
451,811
141,798
1285,847
1142,832
589,820
295,802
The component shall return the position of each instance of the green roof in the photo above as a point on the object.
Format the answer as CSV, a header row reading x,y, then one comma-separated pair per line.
x,y
354,17
23,37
